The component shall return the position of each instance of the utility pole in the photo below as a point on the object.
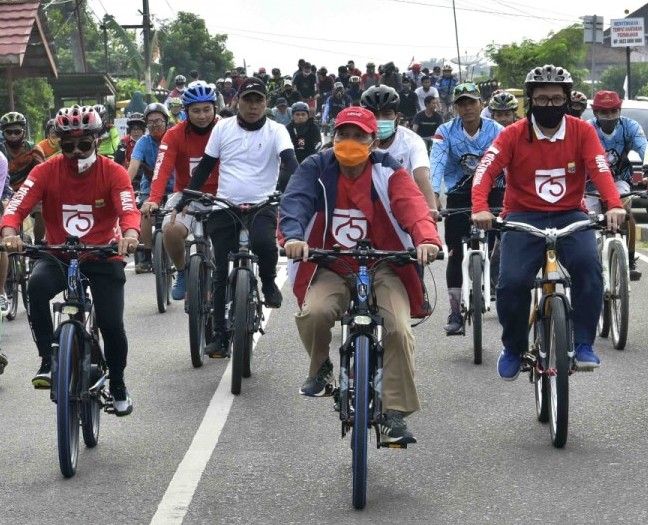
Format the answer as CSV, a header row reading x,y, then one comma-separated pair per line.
x,y
454,12
592,34
146,23
104,28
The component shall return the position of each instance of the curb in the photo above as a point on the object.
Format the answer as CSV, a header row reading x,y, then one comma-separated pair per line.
x,y
642,232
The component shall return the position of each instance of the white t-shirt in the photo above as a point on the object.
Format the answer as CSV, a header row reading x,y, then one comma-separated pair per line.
x,y
249,160
409,149
421,94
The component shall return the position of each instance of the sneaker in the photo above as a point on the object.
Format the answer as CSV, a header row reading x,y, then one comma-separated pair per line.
x,y
4,303
635,275
272,295
455,325
43,378
218,348
586,358
509,365
179,289
143,267
122,402
322,384
393,429
3,362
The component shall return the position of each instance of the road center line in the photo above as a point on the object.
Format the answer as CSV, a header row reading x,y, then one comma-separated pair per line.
x,y
177,498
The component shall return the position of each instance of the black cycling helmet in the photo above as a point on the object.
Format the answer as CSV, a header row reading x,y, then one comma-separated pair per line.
x,y
379,98
156,107
136,119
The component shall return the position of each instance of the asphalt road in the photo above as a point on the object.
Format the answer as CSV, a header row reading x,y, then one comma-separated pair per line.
x,y
481,456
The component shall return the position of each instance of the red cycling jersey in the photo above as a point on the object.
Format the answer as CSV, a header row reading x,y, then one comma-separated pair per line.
x,y
543,175
95,206
181,150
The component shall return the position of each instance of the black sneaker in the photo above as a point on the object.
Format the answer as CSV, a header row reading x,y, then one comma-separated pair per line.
x,y
43,378
3,362
393,429
635,275
219,347
455,325
122,402
272,295
322,384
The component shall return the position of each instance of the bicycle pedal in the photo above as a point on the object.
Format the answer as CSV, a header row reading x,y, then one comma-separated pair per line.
x,y
451,334
393,445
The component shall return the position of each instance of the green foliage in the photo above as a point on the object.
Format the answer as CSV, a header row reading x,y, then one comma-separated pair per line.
x,y
186,44
614,77
34,99
564,48
126,87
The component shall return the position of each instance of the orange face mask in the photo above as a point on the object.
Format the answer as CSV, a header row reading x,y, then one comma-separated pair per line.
x,y
351,152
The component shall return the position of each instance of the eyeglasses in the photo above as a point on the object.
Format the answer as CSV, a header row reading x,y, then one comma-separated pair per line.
x,y
83,146
466,88
14,132
543,100
154,123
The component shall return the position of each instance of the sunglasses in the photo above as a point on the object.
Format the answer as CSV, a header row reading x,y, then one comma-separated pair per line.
x,y
82,145
463,89
15,132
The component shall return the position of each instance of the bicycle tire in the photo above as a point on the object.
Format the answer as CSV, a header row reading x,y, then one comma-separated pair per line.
x,y
161,271
67,408
91,407
540,381
196,308
619,297
12,288
240,329
24,277
247,356
477,299
560,341
603,326
360,421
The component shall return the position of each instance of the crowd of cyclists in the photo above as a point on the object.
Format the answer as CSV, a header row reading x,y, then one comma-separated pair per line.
x,y
397,142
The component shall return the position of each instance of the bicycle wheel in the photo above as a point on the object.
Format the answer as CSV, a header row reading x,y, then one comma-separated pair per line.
x,y
24,276
12,285
619,297
247,357
67,406
196,290
161,271
360,421
477,299
91,407
540,381
558,369
241,340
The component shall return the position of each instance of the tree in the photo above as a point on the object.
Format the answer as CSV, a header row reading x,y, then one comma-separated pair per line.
x,y
613,79
34,99
186,43
564,48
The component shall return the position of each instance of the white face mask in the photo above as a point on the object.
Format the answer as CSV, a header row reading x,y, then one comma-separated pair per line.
x,y
85,164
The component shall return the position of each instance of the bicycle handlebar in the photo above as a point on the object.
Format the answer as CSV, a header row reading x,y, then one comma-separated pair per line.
x,y
636,193
33,249
591,223
212,200
403,257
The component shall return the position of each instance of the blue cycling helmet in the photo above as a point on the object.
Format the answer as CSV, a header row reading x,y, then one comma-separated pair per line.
x,y
198,93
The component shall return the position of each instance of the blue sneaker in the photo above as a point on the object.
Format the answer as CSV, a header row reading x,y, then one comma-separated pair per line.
x,y
179,288
586,358
508,365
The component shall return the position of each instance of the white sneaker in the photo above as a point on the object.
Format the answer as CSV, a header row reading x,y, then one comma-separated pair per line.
x,y
3,362
4,302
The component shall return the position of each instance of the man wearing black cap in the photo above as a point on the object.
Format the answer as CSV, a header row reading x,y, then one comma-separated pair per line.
x,y
250,149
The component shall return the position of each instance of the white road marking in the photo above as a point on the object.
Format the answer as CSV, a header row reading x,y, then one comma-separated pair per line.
x,y
642,257
177,498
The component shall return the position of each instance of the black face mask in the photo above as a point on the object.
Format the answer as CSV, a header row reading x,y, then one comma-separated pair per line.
x,y
549,116
201,131
607,125
575,112
251,126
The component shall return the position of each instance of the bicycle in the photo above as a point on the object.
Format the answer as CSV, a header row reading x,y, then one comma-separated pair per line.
x,y
16,283
162,266
79,370
476,280
550,358
359,395
243,306
613,253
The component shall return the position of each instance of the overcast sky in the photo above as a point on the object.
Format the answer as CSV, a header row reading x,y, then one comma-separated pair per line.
x,y
276,33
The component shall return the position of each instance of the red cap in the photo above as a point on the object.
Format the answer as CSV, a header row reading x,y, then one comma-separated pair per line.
x,y
361,117
606,100
416,67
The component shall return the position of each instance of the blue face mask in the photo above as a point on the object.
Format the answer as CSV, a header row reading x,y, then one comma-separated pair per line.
x,y
386,128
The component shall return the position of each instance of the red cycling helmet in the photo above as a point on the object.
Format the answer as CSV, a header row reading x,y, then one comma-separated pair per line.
x,y
77,121
606,100
262,70
416,67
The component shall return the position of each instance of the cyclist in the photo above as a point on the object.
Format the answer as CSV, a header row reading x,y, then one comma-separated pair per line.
x,y
547,157
400,142
305,83
109,136
303,131
275,83
425,90
180,83
353,71
176,111
445,87
353,91
286,91
180,151
503,108
50,144
335,103
457,147
249,150
143,159
391,77
229,94
281,113
262,75
618,135
415,75
324,86
426,122
6,194
343,76
135,129
370,78
364,194
578,104
88,196
408,102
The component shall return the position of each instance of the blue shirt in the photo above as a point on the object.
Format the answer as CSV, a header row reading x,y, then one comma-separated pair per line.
x,y
146,151
627,136
455,155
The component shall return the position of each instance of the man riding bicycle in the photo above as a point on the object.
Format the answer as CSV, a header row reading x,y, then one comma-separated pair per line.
x,y
547,157
338,197
88,196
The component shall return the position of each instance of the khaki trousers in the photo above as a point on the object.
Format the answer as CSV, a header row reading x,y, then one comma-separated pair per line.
x,y
326,301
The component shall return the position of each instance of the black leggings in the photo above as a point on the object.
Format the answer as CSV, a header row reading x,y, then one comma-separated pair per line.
x,y
107,280
224,231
